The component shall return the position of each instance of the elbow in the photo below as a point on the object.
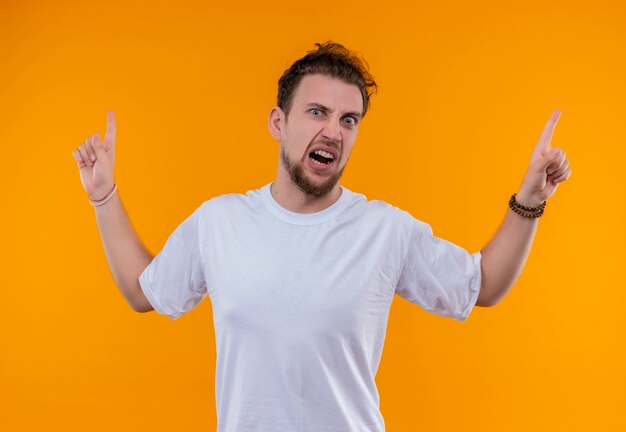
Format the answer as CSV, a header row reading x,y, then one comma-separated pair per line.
x,y
486,300
139,302
483,303
142,305
141,308
487,303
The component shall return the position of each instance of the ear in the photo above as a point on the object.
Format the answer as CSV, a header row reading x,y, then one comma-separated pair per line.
x,y
276,123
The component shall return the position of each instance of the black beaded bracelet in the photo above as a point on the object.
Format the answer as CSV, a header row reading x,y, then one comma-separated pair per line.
x,y
529,212
532,209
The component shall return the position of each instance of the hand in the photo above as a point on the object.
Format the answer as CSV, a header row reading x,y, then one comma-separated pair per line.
x,y
548,167
95,160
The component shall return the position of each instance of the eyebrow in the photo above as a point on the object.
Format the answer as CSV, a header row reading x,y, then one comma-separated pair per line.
x,y
319,105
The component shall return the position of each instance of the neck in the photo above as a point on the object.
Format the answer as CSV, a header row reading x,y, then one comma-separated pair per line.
x,y
292,198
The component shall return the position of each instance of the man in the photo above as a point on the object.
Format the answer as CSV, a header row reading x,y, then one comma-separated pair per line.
x,y
302,271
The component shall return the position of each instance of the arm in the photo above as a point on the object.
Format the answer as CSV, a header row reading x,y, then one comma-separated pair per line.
x,y
126,255
503,258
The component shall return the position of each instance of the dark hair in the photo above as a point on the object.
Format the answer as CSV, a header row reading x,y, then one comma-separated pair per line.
x,y
331,59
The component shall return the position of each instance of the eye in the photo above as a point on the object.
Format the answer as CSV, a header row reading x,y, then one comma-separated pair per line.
x,y
352,122
316,110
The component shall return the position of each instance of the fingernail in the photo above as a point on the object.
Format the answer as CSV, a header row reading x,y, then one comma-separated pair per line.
x,y
93,158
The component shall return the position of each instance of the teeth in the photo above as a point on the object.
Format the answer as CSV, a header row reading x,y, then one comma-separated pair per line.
x,y
317,162
325,154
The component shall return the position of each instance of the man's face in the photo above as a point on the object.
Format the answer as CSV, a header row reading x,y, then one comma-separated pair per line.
x,y
318,135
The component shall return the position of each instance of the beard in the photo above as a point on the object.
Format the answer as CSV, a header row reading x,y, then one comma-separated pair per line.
x,y
304,183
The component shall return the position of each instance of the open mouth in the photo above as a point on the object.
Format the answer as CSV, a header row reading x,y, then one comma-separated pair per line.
x,y
321,158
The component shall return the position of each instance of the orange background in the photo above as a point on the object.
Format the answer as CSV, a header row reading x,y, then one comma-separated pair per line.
x,y
464,92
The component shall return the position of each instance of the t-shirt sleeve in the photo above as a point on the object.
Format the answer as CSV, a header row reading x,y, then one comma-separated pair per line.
x,y
438,275
174,282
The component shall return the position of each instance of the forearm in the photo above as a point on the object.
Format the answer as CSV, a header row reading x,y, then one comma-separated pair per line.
x,y
503,258
126,255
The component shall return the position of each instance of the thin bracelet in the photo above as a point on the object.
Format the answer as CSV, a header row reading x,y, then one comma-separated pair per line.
x,y
104,197
104,200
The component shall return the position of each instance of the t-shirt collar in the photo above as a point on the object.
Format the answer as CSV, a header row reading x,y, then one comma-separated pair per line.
x,y
305,218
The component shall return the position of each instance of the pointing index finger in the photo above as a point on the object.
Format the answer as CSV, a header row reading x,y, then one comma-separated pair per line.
x,y
110,133
546,135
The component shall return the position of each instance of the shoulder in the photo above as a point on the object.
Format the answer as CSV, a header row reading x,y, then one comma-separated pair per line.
x,y
392,214
222,201
229,204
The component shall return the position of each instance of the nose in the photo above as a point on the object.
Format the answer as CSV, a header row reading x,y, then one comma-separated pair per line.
x,y
332,131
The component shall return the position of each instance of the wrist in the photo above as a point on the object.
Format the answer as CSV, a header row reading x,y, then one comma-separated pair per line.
x,y
527,199
98,203
101,192
526,211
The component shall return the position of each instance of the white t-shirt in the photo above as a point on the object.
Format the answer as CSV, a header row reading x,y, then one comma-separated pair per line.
x,y
300,302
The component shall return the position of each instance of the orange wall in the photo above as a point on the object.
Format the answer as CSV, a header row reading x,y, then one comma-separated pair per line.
x,y
465,90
